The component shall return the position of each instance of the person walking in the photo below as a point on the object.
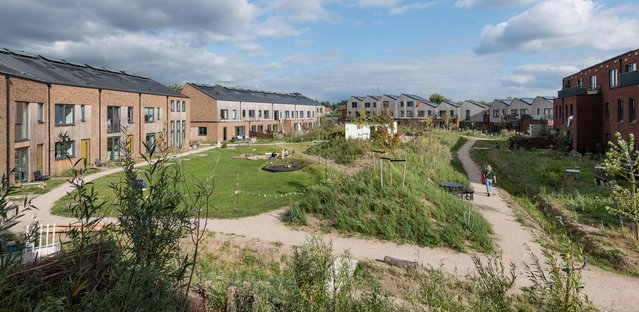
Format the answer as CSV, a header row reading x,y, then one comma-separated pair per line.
x,y
490,176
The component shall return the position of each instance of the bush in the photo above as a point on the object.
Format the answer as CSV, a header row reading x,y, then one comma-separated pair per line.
x,y
340,150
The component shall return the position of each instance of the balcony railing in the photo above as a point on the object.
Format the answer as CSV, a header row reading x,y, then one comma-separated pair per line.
x,y
629,78
568,92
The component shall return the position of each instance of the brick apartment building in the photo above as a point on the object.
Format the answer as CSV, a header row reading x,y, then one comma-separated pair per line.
x,y
221,114
100,110
599,101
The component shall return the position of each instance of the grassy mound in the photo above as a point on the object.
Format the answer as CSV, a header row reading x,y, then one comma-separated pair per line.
x,y
419,212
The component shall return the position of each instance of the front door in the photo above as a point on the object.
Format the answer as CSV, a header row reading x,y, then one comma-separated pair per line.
x,y
39,158
22,164
85,152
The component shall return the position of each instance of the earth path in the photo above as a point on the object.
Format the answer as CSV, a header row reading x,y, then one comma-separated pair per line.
x,y
516,243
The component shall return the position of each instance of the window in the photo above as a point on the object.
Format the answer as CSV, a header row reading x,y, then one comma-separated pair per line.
x,y
495,113
259,113
172,133
367,105
149,113
593,82
614,76
40,113
22,121
514,112
224,114
548,111
374,105
83,113
619,110
178,106
183,131
243,113
420,113
354,104
401,114
201,130
149,141
401,104
632,110
267,114
286,114
297,114
580,82
468,115
607,111
505,111
113,119
172,105
410,104
113,148
409,113
22,164
524,112
452,113
252,113
64,149
276,115
159,114
234,115
184,106
571,110
631,67
129,114
430,113
178,137
308,114
63,115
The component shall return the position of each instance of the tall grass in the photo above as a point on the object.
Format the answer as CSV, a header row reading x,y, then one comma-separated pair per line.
x,y
419,211
340,150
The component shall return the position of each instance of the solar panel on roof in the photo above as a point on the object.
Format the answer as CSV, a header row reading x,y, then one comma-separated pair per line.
x,y
21,53
55,60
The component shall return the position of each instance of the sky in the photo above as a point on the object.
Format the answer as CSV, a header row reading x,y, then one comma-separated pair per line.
x,y
329,49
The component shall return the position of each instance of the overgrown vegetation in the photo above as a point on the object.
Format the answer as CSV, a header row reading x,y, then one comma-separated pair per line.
x,y
418,211
134,265
340,150
562,202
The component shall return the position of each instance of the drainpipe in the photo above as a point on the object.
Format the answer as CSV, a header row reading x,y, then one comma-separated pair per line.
x,y
7,78
140,123
49,127
100,125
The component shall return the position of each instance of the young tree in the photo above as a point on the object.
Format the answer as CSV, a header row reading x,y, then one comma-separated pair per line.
x,y
623,160
438,98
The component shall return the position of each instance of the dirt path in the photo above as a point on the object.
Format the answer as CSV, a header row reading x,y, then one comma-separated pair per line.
x,y
607,290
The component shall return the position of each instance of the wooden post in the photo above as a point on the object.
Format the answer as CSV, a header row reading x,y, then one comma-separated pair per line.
x,y
381,172
404,174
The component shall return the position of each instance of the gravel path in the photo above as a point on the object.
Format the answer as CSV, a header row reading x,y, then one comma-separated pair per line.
x,y
515,242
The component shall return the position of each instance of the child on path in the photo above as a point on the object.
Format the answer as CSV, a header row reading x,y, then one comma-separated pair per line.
x,y
490,177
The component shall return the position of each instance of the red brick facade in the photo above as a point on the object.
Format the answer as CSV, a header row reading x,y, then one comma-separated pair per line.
x,y
601,100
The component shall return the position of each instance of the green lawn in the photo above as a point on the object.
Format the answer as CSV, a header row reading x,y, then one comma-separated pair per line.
x,y
260,190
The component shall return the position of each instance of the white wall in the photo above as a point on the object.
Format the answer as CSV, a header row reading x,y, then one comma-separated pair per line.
x,y
363,133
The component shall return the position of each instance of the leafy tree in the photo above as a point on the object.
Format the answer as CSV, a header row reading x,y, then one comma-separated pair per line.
x,y
623,160
176,87
384,134
438,98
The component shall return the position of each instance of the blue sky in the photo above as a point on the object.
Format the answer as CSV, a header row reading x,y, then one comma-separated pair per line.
x,y
331,49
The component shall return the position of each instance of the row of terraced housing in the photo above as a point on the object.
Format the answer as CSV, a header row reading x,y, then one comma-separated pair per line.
x,y
53,110
413,109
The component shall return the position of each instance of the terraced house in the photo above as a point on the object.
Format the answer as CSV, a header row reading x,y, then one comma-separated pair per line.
x,y
599,101
98,110
222,114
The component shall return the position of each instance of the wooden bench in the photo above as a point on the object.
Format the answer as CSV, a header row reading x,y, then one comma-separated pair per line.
x,y
467,194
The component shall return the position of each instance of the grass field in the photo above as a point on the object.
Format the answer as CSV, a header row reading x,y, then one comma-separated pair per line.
x,y
260,190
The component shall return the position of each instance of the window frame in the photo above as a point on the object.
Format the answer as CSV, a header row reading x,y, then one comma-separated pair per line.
x,y
614,77
620,112
202,131
149,114
83,113
224,114
632,110
58,151
22,122
41,113
62,108
130,115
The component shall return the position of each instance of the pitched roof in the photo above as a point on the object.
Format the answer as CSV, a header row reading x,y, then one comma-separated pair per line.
x,y
360,98
527,100
374,97
476,103
450,103
505,101
222,93
58,71
415,97
549,97
394,97
433,105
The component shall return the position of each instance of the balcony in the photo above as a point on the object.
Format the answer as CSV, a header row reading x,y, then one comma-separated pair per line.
x,y
629,78
568,92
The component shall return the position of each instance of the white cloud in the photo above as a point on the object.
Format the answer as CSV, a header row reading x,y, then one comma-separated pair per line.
x,y
559,24
398,10
467,4
376,3
537,79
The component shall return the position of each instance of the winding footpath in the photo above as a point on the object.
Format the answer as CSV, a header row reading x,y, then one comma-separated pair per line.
x,y
609,291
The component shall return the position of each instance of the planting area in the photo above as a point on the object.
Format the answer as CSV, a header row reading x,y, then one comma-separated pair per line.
x,y
260,191
562,202
415,210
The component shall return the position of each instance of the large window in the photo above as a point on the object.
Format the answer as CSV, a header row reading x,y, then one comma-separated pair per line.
x,y
409,113
64,149
83,113
593,82
267,114
614,77
367,105
287,115
184,106
467,115
63,115
150,141
631,67
129,114
113,148
149,114
452,113
201,130
113,119
22,121
178,136
495,113
172,105
619,110
234,114
524,111
632,110
251,113
183,131
224,114
179,107
420,114
22,164
353,104
410,104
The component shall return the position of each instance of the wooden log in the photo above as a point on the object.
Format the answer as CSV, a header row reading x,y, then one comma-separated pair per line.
x,y
399,262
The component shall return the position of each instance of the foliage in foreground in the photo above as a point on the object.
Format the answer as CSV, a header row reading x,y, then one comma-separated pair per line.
x,y
418,211
303,285
133,266
340,150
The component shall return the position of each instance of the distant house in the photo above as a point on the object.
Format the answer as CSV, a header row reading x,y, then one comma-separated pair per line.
x,y
371,105
354,105
542,108
499,112
407,108
473,114
221,113
451,110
